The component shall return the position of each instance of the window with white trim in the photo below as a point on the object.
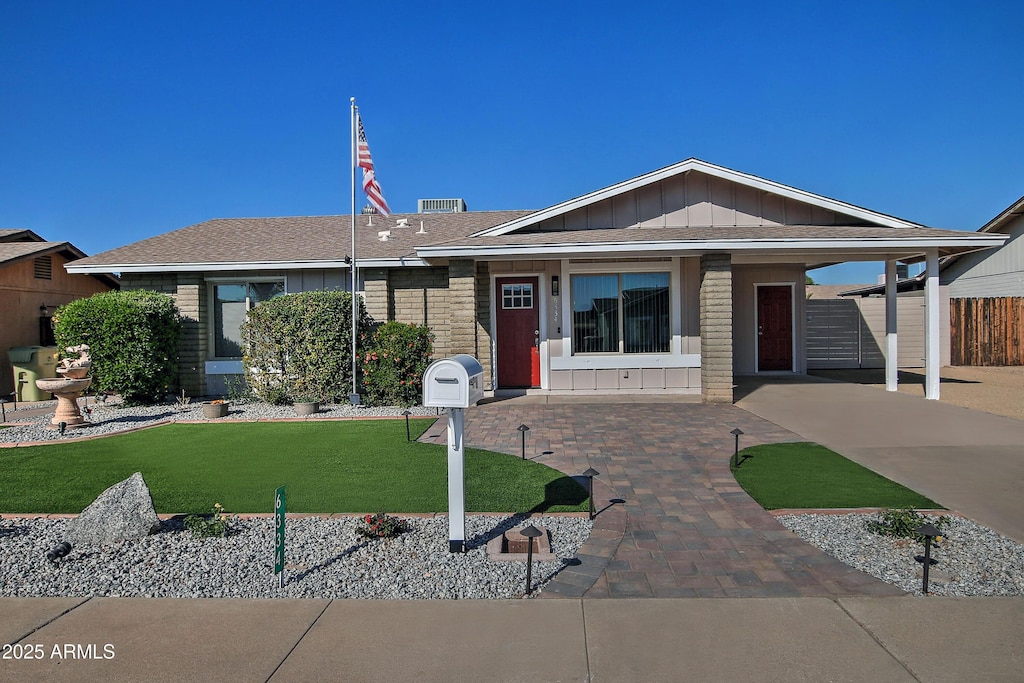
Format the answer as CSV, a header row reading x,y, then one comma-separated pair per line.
x,y
231,302
621,313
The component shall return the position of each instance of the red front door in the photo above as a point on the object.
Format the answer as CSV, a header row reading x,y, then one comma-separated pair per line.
x,y
774,328
518,332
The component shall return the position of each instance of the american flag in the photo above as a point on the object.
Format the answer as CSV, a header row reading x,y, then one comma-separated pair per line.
x,y
370,186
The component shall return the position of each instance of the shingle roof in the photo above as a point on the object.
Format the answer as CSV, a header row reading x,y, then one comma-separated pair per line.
x,y
299,238
15,251
776,232
18,235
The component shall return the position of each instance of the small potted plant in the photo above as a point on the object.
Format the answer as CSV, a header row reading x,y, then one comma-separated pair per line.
x,y
304,399
214,409
306,405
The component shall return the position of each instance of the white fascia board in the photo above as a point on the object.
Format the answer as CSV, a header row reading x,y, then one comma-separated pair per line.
x,y
198,267
568,250
246,266
391,263
712,170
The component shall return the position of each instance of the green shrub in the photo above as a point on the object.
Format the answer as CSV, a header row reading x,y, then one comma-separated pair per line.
x,y
298,347
133,339
394,365
903,523
216,524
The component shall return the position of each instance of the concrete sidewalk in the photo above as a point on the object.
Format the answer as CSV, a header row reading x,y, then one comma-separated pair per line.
x,y
778,639
969,461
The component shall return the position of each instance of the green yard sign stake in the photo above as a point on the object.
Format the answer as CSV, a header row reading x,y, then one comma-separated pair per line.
x,y
279,509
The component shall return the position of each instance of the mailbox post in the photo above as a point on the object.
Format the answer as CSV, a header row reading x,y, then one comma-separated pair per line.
x,y
454,383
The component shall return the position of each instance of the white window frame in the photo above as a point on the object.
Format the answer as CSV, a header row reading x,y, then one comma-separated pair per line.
x,y
675,358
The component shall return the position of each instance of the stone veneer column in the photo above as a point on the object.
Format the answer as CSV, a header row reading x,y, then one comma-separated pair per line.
x,y
375,293
462,303
716,328
483,321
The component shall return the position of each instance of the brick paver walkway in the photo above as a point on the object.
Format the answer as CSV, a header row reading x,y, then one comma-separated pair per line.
x,y
684,527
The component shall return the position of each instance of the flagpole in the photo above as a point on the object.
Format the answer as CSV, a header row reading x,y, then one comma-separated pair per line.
x,y
354,396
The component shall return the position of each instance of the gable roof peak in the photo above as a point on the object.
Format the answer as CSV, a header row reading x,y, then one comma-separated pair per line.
x,y
693,164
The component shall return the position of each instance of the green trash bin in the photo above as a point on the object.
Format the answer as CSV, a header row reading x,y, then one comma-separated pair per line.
x,y
31,363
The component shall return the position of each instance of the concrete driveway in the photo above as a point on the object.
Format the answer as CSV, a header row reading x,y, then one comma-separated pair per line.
x,y
969,461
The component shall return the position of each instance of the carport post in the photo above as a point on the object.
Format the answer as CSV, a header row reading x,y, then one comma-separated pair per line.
x,y
891,345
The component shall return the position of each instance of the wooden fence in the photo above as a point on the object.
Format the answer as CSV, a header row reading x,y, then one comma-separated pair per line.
x,y
987,331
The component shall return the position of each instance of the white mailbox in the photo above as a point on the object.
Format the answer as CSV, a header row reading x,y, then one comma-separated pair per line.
x,y
456,382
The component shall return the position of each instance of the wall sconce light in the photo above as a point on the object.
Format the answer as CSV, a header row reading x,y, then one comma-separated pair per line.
x,y
554,285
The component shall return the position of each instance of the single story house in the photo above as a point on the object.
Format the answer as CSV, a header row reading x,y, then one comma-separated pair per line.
x,y
668,282
33,283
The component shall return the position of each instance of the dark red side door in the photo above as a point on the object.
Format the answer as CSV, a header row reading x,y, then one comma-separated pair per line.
x,y
774,328
518,322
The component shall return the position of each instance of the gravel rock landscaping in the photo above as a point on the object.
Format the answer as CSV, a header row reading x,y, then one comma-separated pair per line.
x,y
110,418
326,558
972,560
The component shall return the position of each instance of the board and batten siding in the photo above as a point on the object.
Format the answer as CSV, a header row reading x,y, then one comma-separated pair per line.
x,y
693,199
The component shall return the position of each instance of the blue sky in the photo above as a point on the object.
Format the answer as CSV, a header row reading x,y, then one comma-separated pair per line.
x,y
122,120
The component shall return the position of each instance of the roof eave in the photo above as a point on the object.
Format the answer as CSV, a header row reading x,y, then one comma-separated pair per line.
x,y
906,246
199,267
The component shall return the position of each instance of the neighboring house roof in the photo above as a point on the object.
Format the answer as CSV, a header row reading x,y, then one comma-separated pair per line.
x,y
18,235
13,251
999,224
290,242
910,284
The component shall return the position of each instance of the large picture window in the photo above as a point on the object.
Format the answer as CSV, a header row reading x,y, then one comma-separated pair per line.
x,y
621,313
231,302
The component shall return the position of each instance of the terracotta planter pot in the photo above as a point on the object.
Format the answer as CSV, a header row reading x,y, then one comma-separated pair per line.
x,y
307,408
212,411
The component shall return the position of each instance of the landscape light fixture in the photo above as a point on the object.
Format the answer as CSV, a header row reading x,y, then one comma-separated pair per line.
x,y
408,436
531,532
62,427
736,453
590,474
522,430
59,551
929,531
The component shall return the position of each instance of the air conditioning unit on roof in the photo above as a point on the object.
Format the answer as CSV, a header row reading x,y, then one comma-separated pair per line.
x,y
441,205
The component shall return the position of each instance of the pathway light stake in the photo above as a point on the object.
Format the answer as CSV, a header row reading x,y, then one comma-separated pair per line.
x,y
522,430
408,437
531,532
59,551
736,454
62,426
929,532
590,474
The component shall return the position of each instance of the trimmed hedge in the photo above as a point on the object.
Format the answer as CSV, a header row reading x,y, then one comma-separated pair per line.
x,y
298,347
393,368
133,339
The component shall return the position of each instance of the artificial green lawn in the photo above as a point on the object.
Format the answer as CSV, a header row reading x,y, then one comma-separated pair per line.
x,y
337,466
806,475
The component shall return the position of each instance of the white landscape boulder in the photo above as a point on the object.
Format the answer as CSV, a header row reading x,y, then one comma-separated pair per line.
x,y
122,512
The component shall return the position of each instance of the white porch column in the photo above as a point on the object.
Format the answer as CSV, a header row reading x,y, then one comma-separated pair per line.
x,y
891,347
931,328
